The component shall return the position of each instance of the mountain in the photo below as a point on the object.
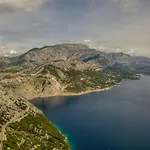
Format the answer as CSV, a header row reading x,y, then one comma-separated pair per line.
x,y
64,54
63,69
69,68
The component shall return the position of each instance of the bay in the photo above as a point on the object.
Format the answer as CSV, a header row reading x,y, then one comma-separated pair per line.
x,y
117,119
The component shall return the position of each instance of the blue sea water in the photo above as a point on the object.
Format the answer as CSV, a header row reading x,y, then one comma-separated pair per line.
x,y
118,119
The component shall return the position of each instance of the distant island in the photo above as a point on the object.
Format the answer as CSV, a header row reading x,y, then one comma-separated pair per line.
x,y
64,69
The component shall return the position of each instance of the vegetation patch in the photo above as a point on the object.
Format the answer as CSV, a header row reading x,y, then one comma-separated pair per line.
x,y
12,69
34,132
81,80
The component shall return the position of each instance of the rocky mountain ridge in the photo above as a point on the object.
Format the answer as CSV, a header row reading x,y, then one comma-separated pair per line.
x,y
73,52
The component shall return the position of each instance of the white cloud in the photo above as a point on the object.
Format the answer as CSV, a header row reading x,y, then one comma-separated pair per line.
x,y
12,51
27,5
87,41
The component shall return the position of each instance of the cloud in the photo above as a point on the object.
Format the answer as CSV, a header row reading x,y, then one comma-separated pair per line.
x,y
122,23
26,5
87,41
128,5
7,47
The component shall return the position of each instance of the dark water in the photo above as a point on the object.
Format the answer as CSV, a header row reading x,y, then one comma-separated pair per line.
x,y
118,119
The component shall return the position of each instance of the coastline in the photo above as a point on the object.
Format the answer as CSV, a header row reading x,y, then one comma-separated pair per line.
x,y
85,92
68,94
67,136
67,139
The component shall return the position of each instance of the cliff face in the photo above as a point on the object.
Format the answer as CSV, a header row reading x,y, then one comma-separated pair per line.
x,y
50,71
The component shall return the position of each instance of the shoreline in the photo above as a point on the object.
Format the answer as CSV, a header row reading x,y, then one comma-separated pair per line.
x,y
85,92
67,139
65,135
67,94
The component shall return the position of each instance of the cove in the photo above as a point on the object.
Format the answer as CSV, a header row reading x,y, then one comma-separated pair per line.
x,y
117,119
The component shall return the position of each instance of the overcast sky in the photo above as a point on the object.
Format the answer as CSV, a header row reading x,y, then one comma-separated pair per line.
x,y
31,23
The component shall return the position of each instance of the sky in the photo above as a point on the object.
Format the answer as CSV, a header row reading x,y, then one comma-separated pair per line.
x,y
25,24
